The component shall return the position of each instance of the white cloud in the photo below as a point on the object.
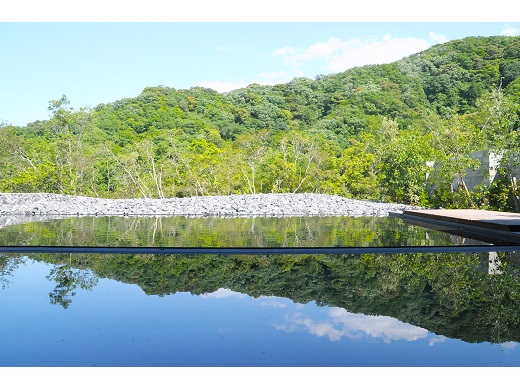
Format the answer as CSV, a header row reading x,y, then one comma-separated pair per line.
x,y
267,78
223,86
510,32
335,55
378,52
273,75
341,55
322,50
285,51
438,38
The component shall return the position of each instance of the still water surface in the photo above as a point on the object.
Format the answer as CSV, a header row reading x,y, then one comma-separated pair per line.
x,y
255,232
408,309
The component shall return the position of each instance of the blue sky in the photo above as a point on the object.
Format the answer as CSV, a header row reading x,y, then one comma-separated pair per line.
x,y
97,60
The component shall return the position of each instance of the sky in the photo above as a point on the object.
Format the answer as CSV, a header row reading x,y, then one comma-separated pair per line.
x,y
97,54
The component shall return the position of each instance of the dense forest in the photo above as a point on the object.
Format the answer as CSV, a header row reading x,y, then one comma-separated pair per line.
x,y
398,132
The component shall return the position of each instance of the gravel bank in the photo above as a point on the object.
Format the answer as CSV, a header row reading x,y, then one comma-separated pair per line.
x,y
43,204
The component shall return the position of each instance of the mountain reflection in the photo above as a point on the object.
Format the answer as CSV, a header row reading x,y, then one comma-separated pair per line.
x,y
471,297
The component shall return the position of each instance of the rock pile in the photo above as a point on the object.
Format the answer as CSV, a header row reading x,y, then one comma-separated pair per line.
x,y
34,204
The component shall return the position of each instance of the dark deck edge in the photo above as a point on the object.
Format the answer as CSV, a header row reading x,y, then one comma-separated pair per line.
x,y
262,251
460,228
472,222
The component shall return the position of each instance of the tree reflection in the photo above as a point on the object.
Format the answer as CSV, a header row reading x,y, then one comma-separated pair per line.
x,y
471,297
7,266
224,232
67,281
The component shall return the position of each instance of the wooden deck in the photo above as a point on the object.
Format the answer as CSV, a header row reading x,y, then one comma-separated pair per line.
x,y
496,220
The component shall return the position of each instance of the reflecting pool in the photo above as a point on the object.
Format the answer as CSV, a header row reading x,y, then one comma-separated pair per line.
x,y
421,309
109,308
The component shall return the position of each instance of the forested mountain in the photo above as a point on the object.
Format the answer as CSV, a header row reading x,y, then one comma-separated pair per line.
x,y
365,133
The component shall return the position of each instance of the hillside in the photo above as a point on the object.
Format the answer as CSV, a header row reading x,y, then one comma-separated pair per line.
x,y
365,133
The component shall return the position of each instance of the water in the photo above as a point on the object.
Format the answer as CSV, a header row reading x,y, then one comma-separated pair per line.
x,y
216,232
341,310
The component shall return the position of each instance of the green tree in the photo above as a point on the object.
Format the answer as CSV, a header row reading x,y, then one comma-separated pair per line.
x,y
68,129
251,151
454,141
402,158
501,130
357,171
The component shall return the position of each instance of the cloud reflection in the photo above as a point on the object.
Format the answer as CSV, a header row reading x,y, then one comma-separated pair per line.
x,y
435,340
387,328
223,293
273,302
338,322
342,323
509,345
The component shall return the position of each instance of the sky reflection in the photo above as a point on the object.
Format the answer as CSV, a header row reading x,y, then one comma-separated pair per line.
x,y
111,323
335,323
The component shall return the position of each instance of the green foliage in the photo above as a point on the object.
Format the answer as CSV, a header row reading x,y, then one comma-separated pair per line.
x,y
367,132
403,166
44,178
453,141
356,169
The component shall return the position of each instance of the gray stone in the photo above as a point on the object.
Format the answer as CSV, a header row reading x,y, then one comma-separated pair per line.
x,y
232,205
